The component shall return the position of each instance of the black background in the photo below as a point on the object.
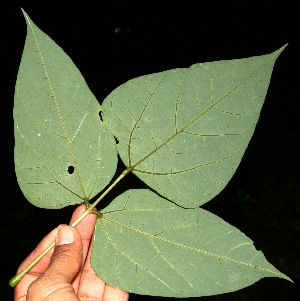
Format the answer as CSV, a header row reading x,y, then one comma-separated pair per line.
x,y
262,199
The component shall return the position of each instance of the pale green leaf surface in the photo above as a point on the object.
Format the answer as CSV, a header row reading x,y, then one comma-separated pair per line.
x,y
186,130
147,245
56,126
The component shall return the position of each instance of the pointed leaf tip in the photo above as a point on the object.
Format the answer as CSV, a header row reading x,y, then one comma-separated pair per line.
x,y
24,13
278,51
26,17
54,109
189,252
283,47
185,131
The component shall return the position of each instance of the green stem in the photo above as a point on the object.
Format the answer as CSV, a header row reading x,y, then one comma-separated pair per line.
x,y
17,278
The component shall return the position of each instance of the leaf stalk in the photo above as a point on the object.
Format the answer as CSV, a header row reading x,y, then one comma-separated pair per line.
x,y
17,278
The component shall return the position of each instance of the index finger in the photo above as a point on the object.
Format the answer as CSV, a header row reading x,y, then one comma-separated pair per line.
x,y
86,229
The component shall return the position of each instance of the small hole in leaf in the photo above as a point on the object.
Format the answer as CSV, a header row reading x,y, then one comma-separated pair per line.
x,y
117,140
101,115
71,169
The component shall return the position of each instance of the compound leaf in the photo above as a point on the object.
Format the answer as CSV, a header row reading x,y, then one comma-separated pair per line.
x,y
64,153
147,245
184,131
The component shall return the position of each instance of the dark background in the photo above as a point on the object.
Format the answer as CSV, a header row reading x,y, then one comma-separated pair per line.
x,y
262,199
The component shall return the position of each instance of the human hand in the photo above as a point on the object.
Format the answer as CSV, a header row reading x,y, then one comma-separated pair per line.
x,y
65,273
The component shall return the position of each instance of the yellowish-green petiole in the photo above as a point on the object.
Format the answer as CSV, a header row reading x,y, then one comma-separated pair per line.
x,y
17,278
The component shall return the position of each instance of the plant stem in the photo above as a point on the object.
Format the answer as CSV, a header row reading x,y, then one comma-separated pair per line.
x,y
17,278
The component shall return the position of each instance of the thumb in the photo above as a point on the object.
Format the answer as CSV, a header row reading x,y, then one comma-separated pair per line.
x,y
66,261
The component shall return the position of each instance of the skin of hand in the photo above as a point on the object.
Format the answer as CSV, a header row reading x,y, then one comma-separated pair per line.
x,y
65,273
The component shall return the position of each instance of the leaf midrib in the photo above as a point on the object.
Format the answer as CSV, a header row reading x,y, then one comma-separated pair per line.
x,y
57,110
188,124
222,257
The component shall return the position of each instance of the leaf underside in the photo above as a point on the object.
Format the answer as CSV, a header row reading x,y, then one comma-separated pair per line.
x,y
182,131
149,246
64,154
186,130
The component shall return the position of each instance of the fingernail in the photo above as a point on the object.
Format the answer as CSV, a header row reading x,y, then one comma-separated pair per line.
x,y
65,236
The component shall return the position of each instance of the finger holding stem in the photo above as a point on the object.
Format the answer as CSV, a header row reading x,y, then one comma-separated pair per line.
x,y
17,278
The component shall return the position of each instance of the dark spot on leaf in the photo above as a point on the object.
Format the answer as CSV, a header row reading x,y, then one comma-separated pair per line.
x,y
117,140
71,169
101,115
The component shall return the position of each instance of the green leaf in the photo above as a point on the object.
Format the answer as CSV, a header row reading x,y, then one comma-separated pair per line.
x,y
182,131
146,245
185,130
64,153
